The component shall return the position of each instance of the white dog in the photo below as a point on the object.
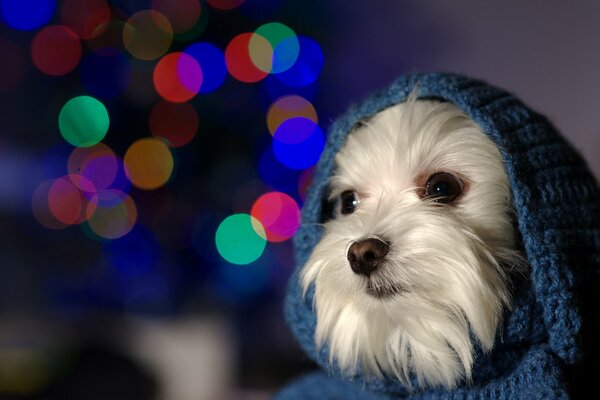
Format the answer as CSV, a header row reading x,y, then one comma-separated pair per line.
x,y
413,268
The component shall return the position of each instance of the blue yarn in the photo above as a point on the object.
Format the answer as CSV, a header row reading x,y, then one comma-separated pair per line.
x,y
550,329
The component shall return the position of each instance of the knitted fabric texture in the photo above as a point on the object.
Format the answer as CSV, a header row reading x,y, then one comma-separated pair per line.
x,y
549,332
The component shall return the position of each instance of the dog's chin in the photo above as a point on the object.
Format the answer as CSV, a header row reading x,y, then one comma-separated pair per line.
x,y
385,291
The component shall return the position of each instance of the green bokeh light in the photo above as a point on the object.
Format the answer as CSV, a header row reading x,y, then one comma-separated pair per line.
x,y
240,239
284,42
83,121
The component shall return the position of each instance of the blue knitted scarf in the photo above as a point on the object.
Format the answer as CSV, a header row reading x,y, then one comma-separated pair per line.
x,y
547,337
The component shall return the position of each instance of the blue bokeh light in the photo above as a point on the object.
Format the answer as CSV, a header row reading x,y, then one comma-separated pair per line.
x,y
277,175
121,181
105,77
272,89
307,68
132,256
285,54
236,283
298,143
27,14
212,63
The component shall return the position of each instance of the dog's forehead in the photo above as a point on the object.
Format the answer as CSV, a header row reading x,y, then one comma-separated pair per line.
x,y
401,143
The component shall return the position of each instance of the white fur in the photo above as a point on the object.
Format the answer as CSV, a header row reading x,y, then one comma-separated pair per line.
x,y
450,261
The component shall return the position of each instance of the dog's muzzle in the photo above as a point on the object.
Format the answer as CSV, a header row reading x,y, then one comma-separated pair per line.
x,y
366,255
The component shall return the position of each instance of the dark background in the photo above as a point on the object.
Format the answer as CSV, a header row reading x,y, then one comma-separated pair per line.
x,y
172,319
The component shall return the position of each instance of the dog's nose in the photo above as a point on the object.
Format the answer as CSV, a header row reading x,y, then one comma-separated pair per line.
x,y
366,255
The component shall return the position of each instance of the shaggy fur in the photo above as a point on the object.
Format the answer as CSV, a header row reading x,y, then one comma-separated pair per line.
x,y
445,278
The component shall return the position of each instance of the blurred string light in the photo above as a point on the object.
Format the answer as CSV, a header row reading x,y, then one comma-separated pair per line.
x,y
41,207
97,164
290,106
67,202
124,54
283,43
212,63
278,214
115,214
148,163
177,123
298,143
133,256
110,41
308,66
177,77
240,239
87,18
275,174
56,50
197,29
225,5
83,121
147,35
183,14
239,62
27,14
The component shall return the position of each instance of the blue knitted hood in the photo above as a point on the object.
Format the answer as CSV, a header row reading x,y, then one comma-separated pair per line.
x,y
551,325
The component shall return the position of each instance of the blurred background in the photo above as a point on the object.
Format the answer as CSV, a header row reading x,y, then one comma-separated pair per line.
x,y
154,155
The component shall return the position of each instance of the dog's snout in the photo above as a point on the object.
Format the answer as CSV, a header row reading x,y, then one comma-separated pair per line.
x,y
366,255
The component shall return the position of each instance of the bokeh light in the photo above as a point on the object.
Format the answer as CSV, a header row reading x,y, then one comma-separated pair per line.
x,y
284,47
83,121
197,29
41,208
177,123
239,239
238,286
287,107
56,50
298,143
177,77
105,77
148,163
305,181
110,41
212,63
98,164
12,68
261,53
278,214
67,203
147,35
27,14
114,216
273,89
131,256
239,62
88,18
225,5
277,175
307,68
183,14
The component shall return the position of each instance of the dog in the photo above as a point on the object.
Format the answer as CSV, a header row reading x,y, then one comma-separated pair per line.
x,y
413,271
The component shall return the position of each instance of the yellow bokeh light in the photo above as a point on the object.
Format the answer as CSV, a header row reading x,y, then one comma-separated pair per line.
x,y
148,163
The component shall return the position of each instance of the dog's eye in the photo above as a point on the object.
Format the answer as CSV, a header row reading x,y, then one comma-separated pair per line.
x,y
348,202
443,187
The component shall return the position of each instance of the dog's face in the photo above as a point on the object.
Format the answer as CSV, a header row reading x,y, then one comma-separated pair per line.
x,y
412,268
